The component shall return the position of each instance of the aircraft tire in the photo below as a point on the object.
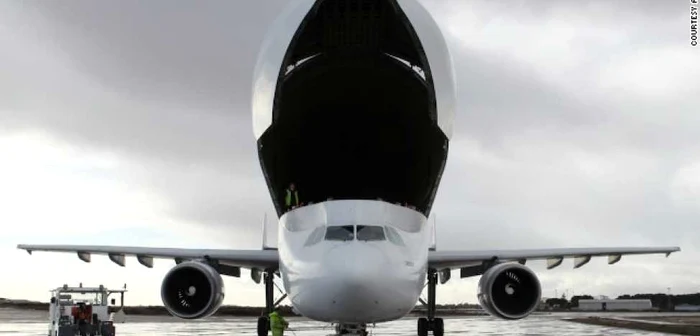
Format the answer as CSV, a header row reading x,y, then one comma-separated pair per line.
x,y
422,326
263,326
438,327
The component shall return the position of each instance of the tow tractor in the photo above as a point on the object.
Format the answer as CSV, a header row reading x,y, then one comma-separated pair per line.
x,y
82,311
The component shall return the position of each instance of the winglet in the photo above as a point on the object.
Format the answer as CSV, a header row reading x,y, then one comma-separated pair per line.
x,y
675,249
22,247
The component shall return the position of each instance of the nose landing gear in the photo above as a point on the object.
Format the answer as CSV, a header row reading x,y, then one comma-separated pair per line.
x,y
436,325
351,329
264,321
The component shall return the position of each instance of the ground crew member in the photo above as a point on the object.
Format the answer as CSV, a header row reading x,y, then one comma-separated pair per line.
x,y
291,197
82,318
277,323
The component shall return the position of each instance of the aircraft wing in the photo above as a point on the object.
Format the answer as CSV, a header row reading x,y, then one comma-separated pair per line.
x,y
231,260
442,260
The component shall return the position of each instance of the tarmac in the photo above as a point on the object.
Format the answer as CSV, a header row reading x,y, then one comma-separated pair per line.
x,y
677,324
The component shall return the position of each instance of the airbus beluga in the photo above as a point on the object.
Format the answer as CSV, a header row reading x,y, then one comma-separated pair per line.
x,y
353,101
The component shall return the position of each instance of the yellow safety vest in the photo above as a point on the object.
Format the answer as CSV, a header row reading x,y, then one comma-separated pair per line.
x,y
288,198
276,321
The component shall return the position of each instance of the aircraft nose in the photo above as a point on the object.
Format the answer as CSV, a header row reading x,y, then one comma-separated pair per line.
x,y
358,282
362,278
354,264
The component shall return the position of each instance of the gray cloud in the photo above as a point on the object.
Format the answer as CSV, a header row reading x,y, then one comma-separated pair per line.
x,y
198,52
140,78
574,120
578,142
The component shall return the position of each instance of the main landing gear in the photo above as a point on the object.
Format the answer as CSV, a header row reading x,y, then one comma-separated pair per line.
x,y
270,303
431,323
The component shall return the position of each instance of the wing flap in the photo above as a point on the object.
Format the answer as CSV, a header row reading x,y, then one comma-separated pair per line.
x,y
262,259
554,257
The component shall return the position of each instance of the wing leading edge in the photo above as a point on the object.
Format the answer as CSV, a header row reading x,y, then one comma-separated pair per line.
x,y
269,259
442,260
233,259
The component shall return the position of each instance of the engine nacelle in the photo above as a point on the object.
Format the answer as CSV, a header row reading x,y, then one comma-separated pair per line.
x,y
510,291
192,290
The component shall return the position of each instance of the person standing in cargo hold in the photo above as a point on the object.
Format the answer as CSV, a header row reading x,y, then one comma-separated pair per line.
x,y
291,197
277,323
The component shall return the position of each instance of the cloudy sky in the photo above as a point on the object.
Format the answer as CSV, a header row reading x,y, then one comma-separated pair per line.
x,y
129,123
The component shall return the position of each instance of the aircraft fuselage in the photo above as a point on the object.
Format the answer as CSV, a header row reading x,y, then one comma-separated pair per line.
x,y
352,103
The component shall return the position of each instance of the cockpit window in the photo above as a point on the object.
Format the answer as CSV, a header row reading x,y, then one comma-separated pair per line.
x,y
394,236
342,233
370,233
315,236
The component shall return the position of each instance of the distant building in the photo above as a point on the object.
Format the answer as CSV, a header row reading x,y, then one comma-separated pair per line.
x,y
601,305
687,307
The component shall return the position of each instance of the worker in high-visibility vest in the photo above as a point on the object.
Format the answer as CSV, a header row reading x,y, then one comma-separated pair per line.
x,y
277,323
291,197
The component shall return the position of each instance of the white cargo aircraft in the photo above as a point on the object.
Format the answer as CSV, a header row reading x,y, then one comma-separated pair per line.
x,y
353,101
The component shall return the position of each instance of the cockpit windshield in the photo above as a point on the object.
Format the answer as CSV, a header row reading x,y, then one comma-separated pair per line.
x,y
348,233
370,233
341,233
316,236
394,236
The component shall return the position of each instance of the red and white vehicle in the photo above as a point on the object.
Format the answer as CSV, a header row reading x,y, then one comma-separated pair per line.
x,y
82,311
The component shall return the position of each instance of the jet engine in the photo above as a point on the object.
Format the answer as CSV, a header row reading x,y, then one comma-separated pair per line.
x,y
509,290
192,290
